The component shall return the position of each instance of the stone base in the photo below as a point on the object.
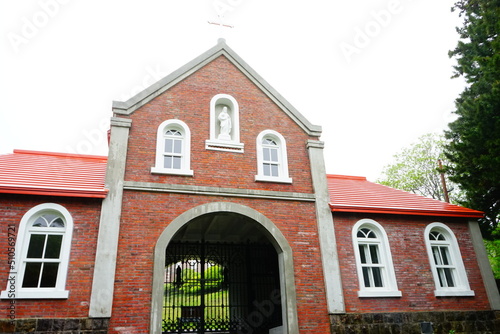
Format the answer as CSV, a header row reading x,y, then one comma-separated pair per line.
x,y
474,322
63,326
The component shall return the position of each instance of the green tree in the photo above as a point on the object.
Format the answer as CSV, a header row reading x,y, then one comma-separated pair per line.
x,y
191,281
493,251
474,137
416,169
214,278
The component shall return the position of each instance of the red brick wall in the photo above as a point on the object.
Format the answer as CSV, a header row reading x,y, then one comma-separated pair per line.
x,y
411,265
85,213
189,101
145,215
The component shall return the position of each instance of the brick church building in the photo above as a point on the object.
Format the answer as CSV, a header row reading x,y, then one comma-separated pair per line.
x,y
213,213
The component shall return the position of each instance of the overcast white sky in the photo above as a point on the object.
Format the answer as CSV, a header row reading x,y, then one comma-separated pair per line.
x,y
374,74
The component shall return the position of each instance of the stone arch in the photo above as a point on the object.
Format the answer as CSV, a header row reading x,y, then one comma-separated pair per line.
x,y
283,249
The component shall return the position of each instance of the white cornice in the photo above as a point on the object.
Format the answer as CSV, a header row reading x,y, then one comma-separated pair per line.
x,y
217,191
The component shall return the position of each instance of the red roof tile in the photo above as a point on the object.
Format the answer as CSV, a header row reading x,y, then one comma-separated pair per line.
x,y
356,194
54,174
62,174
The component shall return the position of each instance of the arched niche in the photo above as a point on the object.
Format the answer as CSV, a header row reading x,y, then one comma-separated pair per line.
x,y
224,124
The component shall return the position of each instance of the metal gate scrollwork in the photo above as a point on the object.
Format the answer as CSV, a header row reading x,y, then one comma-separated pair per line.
x,y
219,287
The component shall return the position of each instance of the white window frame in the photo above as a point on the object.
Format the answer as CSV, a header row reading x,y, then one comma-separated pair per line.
x,y
390,286
173,124
14,288
457,267
283,176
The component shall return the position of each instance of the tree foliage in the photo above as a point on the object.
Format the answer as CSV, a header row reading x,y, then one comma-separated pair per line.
x,y
214,277
493,251
191,283
416,169
474,137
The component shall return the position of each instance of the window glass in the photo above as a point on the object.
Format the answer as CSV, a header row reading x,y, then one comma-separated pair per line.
x,y
173,149
369,256
172,158
274,155
270,152
44,251
366,233
169,144
42,247
35,248
49,275
442,259
173,132
53,249
58,222
272,161
31,275
267,155
177,146
40,222
274,170
376,273
447,267
176,163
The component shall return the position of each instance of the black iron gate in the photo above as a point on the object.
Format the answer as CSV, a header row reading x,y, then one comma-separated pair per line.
x,y
221,287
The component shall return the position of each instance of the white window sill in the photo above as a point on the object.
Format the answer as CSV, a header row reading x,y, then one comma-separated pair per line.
x,y
454,293
381,293
264,178
35,294
184,172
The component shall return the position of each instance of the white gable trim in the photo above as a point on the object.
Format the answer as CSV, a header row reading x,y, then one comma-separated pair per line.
x,y
140,99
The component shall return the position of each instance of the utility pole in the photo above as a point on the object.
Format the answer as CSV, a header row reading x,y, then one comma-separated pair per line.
x,y
443,181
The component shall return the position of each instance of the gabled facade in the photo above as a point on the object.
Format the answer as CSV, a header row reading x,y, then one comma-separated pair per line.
x,y
216,215
212,145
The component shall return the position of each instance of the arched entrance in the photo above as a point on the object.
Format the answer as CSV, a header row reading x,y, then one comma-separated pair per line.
x,y
223,268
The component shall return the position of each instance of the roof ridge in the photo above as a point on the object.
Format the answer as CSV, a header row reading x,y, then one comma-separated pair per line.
x,y
61,154
346,177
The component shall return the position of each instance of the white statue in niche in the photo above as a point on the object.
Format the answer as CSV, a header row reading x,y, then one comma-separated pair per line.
x,y
225,125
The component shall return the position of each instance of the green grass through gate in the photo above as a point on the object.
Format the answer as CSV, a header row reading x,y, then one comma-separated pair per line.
x,y
216,306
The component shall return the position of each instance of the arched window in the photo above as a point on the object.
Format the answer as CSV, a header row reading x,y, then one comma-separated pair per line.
x,y
446,262
272,161
42,249
173,149
373,260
